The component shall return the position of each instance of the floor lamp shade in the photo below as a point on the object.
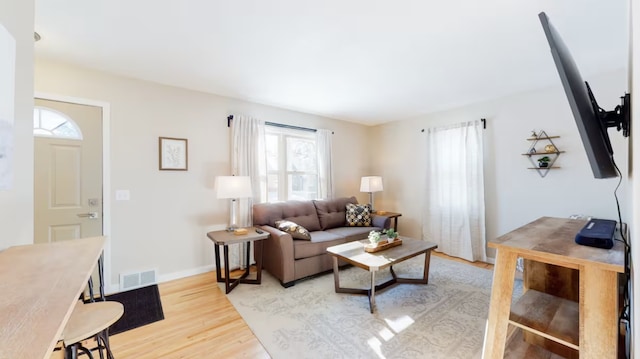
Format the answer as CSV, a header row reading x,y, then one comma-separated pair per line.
x,y
233,188
371,184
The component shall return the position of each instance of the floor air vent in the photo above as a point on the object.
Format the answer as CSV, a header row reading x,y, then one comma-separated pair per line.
x,y
137,280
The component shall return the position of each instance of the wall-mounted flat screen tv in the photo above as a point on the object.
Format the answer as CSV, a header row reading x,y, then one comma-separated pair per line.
x,y
592,121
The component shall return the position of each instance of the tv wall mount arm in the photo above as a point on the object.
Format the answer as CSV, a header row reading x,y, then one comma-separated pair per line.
x,y
620,117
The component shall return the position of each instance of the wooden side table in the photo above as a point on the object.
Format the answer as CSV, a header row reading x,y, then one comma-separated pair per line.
x,y
391,215
547,313
224,239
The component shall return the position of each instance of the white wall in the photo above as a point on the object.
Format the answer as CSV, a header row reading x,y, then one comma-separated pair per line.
x,y
164,224
635,178
514,195
16,204
133,145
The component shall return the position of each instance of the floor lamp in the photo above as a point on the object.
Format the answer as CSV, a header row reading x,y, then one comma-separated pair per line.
x,y
371,184
233,188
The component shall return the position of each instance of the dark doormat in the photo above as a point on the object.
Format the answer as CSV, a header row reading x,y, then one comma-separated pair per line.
x,y
142,306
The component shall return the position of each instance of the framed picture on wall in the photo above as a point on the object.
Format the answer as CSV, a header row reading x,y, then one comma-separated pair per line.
x,y
173,154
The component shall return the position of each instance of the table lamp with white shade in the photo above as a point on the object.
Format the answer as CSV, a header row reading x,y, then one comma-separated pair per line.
x,y
233,188
371,184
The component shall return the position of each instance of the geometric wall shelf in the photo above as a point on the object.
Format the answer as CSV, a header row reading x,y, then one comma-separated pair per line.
x,y
542,153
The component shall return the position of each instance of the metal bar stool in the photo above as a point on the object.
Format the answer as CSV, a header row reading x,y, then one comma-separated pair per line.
x,y
101,282
88,321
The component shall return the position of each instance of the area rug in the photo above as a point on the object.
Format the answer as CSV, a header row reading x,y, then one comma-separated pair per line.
x,y
444,319
142,306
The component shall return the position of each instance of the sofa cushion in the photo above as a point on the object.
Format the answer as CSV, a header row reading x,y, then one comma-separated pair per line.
x,y
300,212
353,233
332,212
319,243
358,215
295,230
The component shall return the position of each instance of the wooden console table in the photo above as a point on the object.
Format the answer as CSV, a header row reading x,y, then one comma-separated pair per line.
x,y
570,304
40,284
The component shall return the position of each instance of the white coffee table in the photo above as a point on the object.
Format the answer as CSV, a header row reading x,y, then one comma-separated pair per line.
x,y
354,253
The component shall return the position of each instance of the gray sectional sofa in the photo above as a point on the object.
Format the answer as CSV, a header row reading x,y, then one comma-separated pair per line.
x,y
290,259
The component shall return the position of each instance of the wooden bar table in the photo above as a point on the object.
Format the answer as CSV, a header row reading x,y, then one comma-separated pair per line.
x,y
570,303
39,286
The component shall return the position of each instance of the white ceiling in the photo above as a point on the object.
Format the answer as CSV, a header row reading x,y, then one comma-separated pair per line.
x,y
365,61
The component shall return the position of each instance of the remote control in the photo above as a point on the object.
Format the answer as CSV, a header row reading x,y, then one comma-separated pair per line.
x,y
259,231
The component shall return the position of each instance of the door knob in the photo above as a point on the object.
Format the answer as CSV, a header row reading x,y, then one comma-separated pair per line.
x,y
90,215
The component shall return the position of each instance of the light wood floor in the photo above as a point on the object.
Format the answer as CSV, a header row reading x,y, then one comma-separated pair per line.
x,y
199,323
475,264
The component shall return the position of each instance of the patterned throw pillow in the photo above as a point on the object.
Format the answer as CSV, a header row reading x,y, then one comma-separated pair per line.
x,y
358,215
295,230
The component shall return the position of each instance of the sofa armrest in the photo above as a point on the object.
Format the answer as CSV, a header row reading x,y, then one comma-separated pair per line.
x,y
381,221
277,254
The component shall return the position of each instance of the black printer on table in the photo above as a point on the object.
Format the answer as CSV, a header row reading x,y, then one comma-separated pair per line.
x,y
597,233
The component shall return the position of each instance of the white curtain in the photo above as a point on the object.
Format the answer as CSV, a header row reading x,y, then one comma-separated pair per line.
x,y
248,159
454,193
325,172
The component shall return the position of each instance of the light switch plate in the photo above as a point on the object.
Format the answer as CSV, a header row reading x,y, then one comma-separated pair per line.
x,y
122,195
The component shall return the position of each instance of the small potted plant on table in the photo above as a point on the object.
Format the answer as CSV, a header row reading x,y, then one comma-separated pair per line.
x,y
382,240
391,235
374,237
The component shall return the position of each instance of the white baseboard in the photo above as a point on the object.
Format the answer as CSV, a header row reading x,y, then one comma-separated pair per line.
x,y
115,287
111,288
491,260
185,273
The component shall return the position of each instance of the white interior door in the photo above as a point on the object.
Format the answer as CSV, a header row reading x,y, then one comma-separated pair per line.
x,y
68,171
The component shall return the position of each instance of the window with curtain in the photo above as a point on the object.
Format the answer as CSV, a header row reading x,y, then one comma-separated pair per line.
x,y
283,164
292,164
454,215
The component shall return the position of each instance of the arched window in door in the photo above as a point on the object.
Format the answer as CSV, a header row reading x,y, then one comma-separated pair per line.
x,y
51,123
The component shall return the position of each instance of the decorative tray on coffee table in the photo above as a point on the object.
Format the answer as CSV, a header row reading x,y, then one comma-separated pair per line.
x,y
380,246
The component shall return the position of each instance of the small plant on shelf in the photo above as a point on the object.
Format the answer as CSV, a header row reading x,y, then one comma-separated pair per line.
x,y
543,162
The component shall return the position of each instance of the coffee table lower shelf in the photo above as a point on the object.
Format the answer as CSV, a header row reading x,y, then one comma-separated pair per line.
x,y
354,253
376,288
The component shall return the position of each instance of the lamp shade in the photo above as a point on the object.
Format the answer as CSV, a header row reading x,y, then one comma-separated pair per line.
x,y
233,187
371,184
